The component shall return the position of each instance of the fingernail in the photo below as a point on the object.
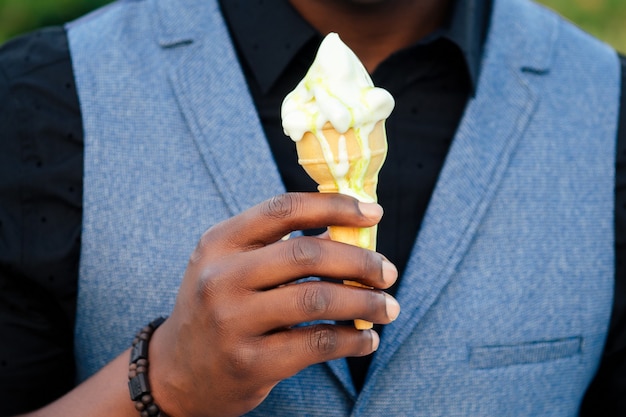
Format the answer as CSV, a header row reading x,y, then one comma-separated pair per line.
x,y
371,210
375,340
392,307
390,272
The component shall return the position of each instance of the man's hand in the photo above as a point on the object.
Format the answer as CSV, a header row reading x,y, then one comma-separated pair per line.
x,y
230,338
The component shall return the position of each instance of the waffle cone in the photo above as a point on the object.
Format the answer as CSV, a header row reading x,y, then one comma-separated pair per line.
x,y
360,181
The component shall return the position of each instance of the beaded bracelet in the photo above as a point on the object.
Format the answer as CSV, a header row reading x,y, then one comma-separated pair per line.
x,y
138,372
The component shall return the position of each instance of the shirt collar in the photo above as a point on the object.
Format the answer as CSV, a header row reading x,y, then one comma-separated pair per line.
x,y
270,34
467,29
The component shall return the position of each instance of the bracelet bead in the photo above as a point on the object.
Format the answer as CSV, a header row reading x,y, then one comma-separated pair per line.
x,y
138,385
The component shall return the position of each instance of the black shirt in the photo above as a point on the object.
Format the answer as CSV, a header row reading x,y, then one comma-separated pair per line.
x,y
41,177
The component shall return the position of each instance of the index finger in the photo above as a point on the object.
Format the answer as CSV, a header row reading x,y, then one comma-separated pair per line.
x,y
272,219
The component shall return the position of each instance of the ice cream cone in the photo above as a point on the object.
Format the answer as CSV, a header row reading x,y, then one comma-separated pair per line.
x,y
337,117
358,155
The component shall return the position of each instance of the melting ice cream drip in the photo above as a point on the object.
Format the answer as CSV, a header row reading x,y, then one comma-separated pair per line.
x,y
337,90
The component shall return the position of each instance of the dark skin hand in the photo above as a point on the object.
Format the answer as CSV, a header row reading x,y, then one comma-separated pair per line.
x,y
247,312
229,339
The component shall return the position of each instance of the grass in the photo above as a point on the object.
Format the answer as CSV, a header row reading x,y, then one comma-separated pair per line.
x,y
19,16
605,19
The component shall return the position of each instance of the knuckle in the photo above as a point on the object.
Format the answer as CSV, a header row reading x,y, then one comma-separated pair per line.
x,y
316,299
371,265
223,319
215,295
375,305
304,251
208,283
242,362
199,250
204,243
253,396
323,340
282,206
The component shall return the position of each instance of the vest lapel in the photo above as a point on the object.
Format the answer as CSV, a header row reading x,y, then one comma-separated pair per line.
x,y
474,166
213,95
489,131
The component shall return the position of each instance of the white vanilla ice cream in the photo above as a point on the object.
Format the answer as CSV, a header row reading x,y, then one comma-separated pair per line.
x,y
337,90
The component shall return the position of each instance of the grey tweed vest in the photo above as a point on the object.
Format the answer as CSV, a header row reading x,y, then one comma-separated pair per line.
x,y
507,295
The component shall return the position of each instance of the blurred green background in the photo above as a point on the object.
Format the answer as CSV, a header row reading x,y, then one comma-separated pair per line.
x,y
605,19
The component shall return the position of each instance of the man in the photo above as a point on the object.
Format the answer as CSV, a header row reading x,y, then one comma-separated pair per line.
x,y
506,294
